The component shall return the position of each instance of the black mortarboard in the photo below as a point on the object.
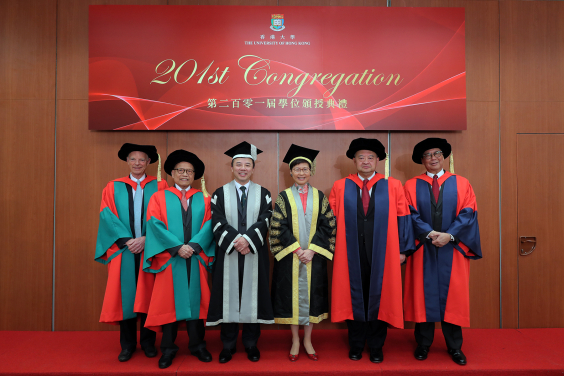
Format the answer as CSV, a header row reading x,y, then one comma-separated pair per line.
x,y
127,149
371,144
296,152
244,150
430,143
180,155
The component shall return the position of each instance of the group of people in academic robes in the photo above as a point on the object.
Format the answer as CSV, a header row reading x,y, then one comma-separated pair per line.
x,y
161,242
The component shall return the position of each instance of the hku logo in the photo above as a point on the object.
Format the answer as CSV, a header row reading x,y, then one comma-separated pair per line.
x,y
277,22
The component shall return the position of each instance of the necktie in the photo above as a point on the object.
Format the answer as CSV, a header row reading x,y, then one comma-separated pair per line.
x,y
183,200
365,196
436,188
243,198
137,207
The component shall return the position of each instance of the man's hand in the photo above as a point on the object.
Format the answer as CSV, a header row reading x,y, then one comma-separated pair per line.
x,y
136,245
240,244
441,240
245,251
185,251
402,258
433,235
306,256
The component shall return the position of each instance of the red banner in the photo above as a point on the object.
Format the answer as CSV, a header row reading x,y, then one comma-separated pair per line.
x,y
276,68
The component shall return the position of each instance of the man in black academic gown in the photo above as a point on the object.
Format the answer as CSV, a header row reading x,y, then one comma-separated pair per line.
x,y
240,291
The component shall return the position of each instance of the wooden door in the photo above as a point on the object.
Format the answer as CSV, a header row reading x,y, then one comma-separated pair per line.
x,y
540,200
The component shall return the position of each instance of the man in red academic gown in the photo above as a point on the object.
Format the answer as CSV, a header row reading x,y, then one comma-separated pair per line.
x,y
373,233
120,245
179,250
445,224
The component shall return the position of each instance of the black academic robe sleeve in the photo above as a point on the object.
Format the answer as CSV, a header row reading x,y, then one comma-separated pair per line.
x,y
256,234
223,232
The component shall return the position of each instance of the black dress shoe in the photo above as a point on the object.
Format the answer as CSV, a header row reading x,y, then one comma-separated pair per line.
x,y
166,360
355,355
150,351
457,356
203,355
376,355
253,353
225,355
125,355
421,352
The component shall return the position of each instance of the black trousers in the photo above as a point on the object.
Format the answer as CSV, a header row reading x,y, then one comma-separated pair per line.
x,y
128,334
361,332
425,333
230,331
196,332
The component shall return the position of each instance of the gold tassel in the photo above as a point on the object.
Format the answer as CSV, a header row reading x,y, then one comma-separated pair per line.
x,y
159,169
451,160
203,182
387,167
313,164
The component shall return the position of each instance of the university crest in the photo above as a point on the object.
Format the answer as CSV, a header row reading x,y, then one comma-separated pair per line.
x,y
277,22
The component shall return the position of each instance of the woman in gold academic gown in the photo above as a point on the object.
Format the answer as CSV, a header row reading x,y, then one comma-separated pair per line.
x,y
302,239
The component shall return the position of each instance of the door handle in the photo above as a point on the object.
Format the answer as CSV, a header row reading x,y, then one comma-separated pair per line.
x,y
527,239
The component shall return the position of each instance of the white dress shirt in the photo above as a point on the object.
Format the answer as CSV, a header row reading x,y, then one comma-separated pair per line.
x,y
187,189
363,179
246,188
135,180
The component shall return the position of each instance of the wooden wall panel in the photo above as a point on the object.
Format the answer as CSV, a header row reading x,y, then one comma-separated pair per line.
x,y
534,117
27,49
532,56
86,162
532,101
27,131
26,204
518,117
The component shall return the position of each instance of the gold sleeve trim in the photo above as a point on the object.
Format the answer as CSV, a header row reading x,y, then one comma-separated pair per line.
x,y
281,205
276,249
274,223
286,251
324,205
321,251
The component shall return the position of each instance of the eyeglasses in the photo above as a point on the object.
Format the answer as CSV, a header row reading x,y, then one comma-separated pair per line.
x,y
298,170
181,171
428,156
370,158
